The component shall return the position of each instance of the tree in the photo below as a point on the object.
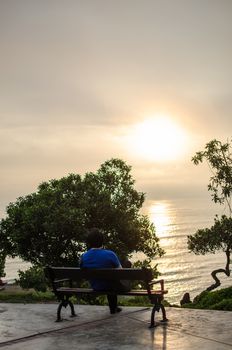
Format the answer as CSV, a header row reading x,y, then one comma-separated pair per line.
x,y
2,264
49,227
219,236
219,159
5,248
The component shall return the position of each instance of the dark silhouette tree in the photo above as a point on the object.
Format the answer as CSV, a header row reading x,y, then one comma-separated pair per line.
x,y
219,236
50,226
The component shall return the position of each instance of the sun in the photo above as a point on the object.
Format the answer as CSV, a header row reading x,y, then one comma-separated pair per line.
x,y
158,138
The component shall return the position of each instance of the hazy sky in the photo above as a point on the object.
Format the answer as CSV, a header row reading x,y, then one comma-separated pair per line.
x,y
78,80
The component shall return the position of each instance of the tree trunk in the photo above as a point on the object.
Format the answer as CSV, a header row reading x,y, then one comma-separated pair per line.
x,y
226,271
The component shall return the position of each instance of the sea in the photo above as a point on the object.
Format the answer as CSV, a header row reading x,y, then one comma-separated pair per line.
x,y
182,270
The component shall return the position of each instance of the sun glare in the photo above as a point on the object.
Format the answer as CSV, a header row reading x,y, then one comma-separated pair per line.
x,y
158,139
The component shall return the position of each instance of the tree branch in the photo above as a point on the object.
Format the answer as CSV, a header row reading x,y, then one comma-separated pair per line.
x,y
228,262
217,281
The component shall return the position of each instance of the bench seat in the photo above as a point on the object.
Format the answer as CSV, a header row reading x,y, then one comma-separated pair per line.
x,y
134,292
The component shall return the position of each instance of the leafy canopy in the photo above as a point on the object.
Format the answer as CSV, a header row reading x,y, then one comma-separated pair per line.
x,y
209,240
50,225
219,236
219,159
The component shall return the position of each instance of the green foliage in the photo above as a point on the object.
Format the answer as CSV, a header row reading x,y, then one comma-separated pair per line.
x,y
33,278
135,301
90,300
225,304
217,300
218,157
2,264
49,227
5,248
146,264
209,240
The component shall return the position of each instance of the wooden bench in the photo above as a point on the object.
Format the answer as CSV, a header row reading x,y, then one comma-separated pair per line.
x,y
64,278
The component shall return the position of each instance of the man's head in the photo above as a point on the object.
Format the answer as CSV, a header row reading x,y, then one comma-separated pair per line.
x,y
94,238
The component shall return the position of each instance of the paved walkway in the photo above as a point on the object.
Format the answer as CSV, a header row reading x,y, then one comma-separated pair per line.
x,y
32,327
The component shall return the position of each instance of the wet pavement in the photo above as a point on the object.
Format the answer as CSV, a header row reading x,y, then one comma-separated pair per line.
x,y
32,326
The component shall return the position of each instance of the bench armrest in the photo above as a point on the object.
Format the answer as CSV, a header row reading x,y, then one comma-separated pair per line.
x,y
157,281
59,283
62,280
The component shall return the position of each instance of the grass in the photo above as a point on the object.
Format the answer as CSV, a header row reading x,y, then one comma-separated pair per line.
x,y
15,294
216,300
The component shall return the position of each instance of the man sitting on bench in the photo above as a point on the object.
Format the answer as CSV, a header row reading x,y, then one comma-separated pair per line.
x,y
98,257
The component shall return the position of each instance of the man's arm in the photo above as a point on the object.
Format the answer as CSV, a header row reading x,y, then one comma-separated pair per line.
x,y
116,261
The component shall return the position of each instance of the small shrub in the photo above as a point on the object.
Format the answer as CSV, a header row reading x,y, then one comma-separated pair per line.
x,y
217,300
33,278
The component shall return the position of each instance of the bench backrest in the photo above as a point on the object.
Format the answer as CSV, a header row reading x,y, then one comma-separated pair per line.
x,y
77,274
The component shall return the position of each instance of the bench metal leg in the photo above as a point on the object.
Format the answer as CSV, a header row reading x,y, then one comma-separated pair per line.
x,y
152,324
163,313
73,314
65,303
59,311
157,306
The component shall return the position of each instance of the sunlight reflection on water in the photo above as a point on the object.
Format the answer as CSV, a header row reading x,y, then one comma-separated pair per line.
x,y
159,214
182,270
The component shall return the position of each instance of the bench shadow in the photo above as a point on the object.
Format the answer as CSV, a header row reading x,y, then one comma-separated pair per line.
x,y
157,337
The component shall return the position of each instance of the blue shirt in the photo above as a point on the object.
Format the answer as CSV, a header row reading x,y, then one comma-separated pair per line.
x,y
99,258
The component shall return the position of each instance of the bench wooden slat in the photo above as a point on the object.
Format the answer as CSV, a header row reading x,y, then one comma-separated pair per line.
x,y
76,274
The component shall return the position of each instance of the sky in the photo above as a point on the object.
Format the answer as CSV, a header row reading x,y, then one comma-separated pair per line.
x,y
83,81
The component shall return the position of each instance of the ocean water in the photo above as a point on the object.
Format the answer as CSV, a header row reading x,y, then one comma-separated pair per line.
x,y
182,270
